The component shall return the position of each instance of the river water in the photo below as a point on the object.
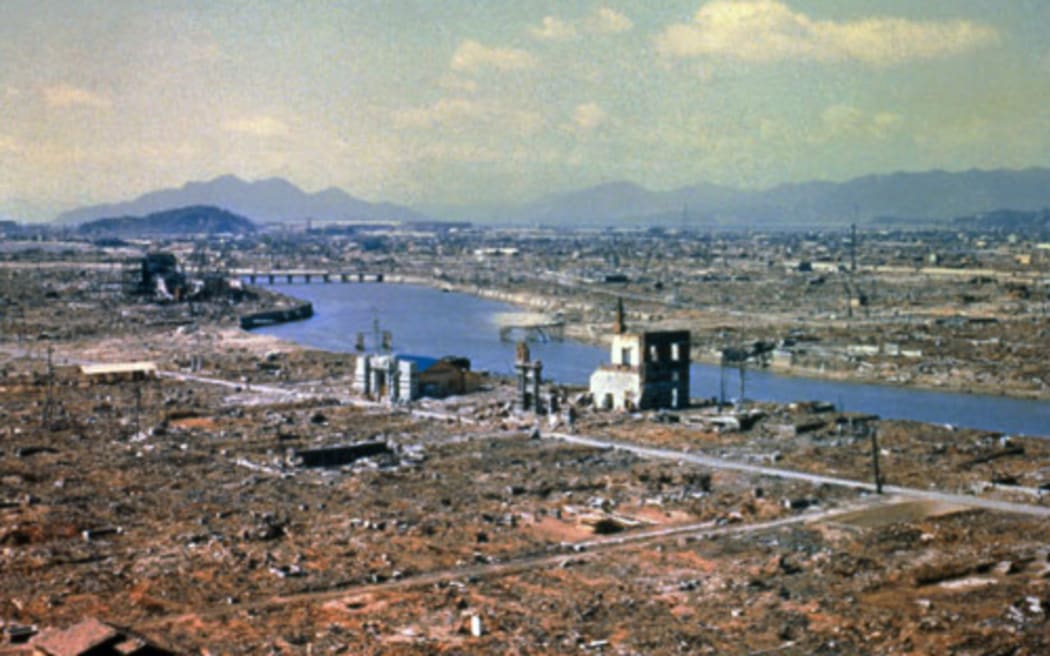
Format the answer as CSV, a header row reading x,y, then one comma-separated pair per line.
x,y
426,321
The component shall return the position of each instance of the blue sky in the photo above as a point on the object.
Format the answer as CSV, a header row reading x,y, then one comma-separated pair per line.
x,y
462,102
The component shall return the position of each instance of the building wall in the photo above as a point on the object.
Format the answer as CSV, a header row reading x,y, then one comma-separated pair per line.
x,y
648,370
665,369
384,377
616,389
445,379
626,350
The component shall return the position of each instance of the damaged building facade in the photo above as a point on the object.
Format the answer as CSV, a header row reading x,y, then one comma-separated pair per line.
x,y
404,378
386,378
648,370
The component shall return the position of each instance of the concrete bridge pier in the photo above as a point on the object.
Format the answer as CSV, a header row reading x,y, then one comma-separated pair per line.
x,y
290,278
306,277
271,277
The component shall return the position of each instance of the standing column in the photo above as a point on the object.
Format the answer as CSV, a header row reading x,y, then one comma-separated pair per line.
x,y
537,377
522,394
522,365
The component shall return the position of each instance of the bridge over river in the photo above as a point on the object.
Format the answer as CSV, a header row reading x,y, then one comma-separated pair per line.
x,y
290,276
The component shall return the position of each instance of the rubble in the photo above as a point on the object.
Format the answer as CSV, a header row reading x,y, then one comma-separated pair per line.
x,y
169,505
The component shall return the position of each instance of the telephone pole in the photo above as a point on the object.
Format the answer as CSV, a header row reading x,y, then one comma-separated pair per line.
x,y
875,460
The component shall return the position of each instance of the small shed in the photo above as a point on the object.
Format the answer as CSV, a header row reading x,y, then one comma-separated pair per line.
x,y
118,372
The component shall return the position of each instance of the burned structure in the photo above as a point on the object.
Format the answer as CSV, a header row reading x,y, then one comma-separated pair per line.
x,y
159,276
386,378
648,370
448,376
530,376
404,378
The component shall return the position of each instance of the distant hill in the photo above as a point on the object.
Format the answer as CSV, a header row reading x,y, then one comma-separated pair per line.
x,y
936,196
270,200
931,196
199,219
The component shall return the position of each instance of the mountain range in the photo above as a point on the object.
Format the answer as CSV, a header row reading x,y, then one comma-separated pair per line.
x,y
263,201
932,196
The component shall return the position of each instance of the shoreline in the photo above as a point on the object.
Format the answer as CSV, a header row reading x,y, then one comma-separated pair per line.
x,y
583,333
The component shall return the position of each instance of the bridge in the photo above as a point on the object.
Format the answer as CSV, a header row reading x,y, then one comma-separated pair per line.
x,y
273,276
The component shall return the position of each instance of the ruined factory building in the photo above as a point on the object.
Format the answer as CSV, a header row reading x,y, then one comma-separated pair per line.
x,y
649,370
403,378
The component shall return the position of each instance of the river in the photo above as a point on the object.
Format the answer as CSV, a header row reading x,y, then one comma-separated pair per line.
x,y
427,321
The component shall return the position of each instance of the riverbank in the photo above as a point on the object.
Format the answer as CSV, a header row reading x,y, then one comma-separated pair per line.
x,y
465,325
300,312
959,378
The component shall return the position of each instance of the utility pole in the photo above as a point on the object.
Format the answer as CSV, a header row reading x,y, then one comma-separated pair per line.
x,y
743,378
376,336
853,248
875,460
138,406
722,382
49,400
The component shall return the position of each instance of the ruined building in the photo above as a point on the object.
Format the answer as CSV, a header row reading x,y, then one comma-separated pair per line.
x,y
648,370
404,378
386,378
530,375
160,276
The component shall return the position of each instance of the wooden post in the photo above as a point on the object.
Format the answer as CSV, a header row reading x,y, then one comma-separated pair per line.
x,y
875,460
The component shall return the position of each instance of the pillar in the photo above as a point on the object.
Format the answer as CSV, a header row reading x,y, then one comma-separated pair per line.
x,y
523,399
537,376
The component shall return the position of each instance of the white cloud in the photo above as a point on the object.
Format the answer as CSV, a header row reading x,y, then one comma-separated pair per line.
x,y
472,56
9,145
603,21
258,126
588,116
67,95
553,29
464,113
608,21
768,30
885,121
846,120
458,84
444,111
458,151
209,52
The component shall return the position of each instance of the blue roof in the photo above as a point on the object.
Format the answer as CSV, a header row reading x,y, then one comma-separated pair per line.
x,y
422,362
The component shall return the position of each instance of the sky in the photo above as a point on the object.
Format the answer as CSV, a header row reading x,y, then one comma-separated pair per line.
x,y
474,102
